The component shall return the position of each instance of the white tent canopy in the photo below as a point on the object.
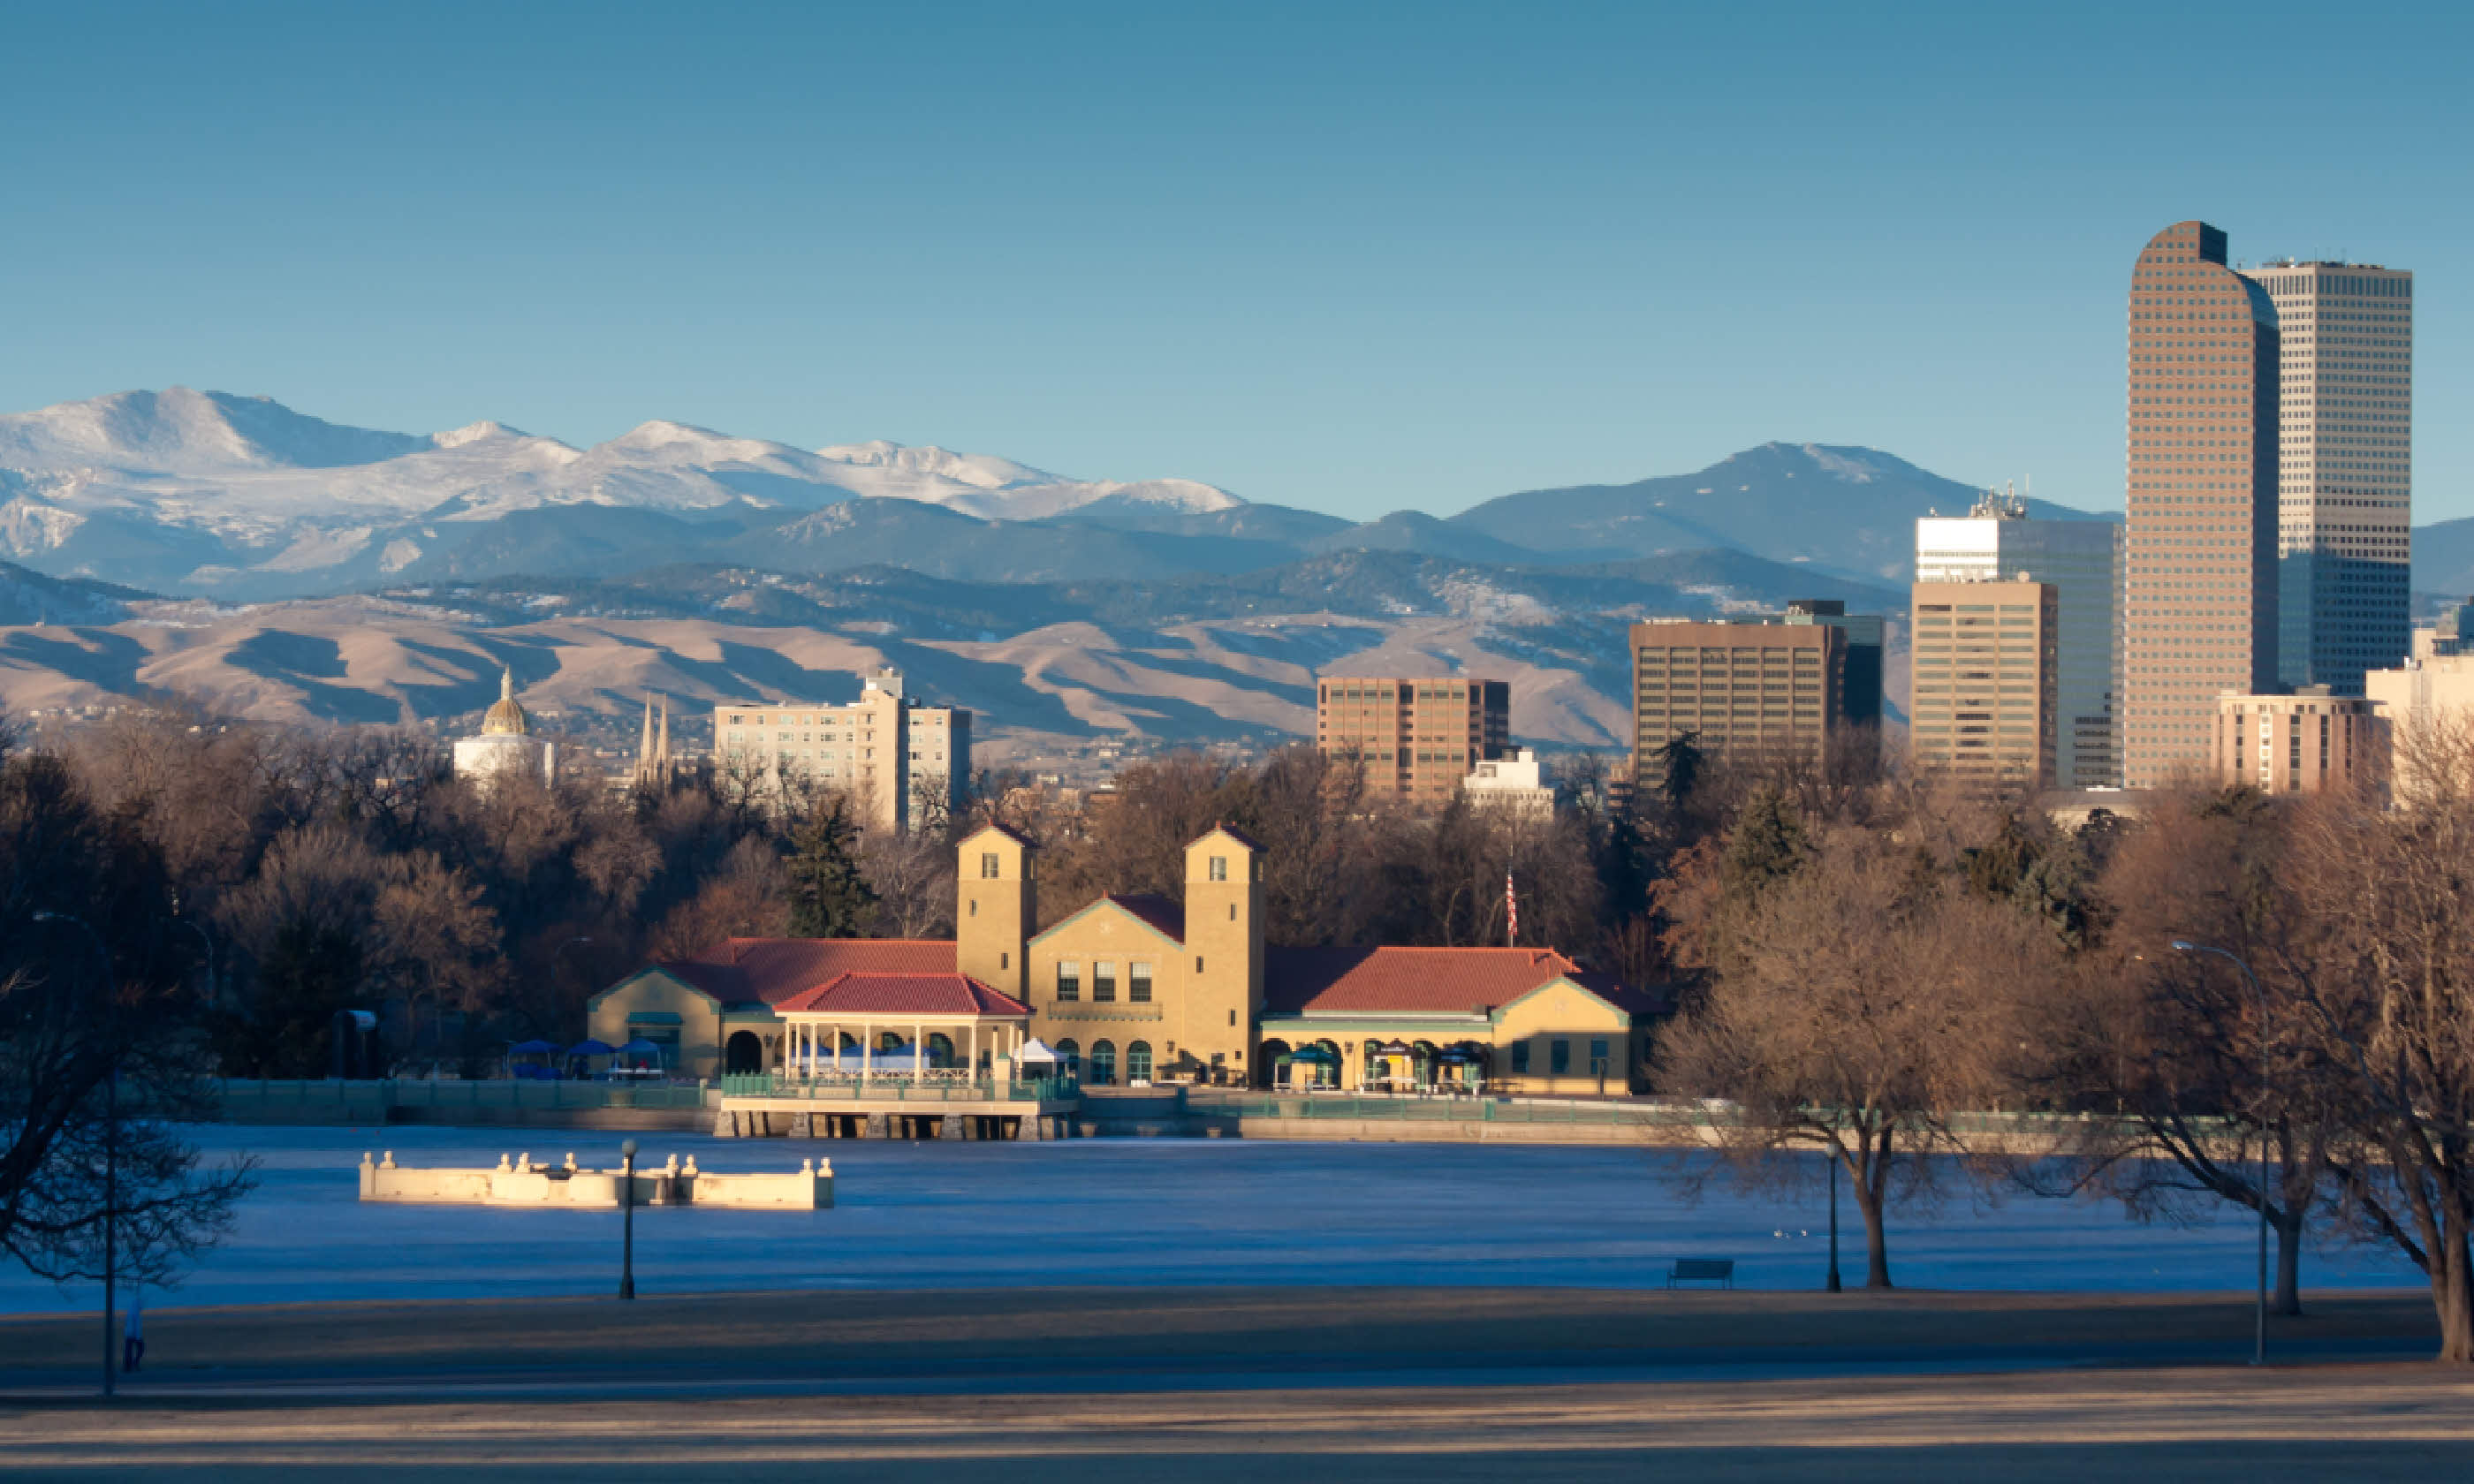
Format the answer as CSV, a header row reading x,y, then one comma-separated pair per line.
x,y
1038,1050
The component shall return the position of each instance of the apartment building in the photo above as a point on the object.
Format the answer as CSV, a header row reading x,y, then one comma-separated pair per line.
x,y
904,765
1987,681
1417,738
1998,540
1739,687
2303,743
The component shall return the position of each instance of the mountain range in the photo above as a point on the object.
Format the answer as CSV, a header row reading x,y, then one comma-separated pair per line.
x,y
210,495
273,565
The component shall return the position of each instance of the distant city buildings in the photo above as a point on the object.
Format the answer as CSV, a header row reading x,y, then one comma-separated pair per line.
x,y
2081,559
2306,742
1514,784
505,746
1737,687
1416,738
2199,593
2345,468
902,764
1986,680
1864,632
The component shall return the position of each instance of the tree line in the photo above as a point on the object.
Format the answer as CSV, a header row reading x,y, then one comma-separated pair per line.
x,y
1868,972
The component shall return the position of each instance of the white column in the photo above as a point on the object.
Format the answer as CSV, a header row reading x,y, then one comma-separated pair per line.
x,y
866,1055
974,1051
918,1050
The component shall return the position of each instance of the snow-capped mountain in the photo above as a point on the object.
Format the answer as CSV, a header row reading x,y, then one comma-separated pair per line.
x,y
207,492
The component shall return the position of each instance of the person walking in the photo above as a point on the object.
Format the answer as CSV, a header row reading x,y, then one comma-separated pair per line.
x,y
133,1343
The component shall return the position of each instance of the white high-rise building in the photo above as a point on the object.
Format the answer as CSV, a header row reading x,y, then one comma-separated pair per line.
x,y
2346,469
2081,559
905,766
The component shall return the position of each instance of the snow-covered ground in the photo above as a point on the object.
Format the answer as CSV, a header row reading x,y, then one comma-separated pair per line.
x,y
1140,1211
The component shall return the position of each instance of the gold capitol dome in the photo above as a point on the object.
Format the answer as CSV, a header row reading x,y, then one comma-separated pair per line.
x,y
505,718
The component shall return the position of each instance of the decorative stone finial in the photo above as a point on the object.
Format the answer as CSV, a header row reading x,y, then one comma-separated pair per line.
x,y
365,1159
388,1162
503,1164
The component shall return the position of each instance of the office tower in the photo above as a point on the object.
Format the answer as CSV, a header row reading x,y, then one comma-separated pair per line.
x,y
905,766
1863,633
1417,738
2082,561
1748,689
2199,583
1987,679
2346,469
2301,743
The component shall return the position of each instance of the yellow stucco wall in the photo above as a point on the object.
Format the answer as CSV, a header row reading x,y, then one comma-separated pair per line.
x,y
1110,932
653,990
1564,1012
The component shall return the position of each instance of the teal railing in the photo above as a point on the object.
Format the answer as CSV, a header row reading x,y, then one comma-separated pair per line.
x,y
900,1091
248,1095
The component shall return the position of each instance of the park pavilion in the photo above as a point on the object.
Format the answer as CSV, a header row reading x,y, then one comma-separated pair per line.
x,y
857,1025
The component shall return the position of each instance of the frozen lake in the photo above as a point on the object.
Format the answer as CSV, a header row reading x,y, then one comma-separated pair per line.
x,y
1189,1213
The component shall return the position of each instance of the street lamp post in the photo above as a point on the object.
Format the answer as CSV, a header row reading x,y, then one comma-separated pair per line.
x,y
110,1154
2259,998
1831,1155
627,1229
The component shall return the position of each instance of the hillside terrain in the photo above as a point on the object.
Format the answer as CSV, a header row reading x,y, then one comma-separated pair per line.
x,y
1047,666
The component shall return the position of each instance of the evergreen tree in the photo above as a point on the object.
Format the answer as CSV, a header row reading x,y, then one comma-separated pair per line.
x,y
830,896
1767,845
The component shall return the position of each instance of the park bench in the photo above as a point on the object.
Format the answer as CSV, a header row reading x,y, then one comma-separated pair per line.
x,y
1702,1270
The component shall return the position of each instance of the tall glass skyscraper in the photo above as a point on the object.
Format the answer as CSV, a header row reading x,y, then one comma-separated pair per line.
x,y
2200,590
2081,561
2345,469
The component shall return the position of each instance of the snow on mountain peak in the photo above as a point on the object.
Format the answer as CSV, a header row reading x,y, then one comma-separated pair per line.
x,y
475,433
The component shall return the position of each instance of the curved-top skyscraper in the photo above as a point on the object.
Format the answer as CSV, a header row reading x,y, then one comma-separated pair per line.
x,y
2199,585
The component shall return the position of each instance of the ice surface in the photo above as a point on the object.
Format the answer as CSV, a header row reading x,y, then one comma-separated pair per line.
x,y
1140,1211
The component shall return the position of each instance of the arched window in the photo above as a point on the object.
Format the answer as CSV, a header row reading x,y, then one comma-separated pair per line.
x,y
940,1050
1103,1063
743,1053
1138,1061
1329,1073
1070,1053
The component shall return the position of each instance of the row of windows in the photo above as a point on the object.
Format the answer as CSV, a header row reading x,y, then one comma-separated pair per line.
x,y
1104,981
1559,1057
1100,1069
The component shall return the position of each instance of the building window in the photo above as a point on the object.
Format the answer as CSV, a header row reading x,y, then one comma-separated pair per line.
x,y
1103,985
1138,984
1218,871
1138,1061
1198,963
1103,1063
1559,1057
989,864
1598,1057
1520,1056
1069,979
1070,1053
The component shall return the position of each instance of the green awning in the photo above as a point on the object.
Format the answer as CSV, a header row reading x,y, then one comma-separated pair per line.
x,y
652,1018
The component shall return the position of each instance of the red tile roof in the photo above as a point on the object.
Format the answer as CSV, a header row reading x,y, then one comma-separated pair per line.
x,y
920,994
766,970
1434,981
1159,912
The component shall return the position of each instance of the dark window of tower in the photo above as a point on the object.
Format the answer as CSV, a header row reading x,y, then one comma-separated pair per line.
x,y
989,864
1138,982
1218,871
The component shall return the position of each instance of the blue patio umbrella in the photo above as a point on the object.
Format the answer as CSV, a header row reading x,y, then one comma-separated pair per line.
x,y
533,1048
591,1048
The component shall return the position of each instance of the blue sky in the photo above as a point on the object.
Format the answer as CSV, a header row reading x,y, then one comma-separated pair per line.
x,y
1353,258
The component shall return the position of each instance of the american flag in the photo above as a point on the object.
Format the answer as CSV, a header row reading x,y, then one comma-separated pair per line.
x,y
1511,913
